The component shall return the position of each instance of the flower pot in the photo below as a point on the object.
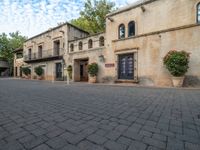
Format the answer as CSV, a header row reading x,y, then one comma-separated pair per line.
x,y
40,77
93,79
178,81
28,76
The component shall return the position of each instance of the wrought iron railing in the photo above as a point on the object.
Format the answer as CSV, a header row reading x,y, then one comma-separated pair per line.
x,y
44,54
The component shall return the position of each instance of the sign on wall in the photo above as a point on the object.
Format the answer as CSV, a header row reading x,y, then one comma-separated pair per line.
x,y
110,65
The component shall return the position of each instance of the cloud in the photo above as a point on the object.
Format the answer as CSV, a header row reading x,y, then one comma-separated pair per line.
x,y
32,17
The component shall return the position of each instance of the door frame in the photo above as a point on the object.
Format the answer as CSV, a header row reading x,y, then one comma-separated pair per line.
x,y
56,78
135,54
119,67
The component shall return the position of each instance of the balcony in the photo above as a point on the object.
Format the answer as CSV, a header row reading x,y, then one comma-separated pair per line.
x,y
44,55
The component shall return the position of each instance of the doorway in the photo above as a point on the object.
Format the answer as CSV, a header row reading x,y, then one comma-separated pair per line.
x,y
81,70
126,66
59,72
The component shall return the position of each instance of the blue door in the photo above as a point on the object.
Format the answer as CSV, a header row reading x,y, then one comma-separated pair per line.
x,y
126,66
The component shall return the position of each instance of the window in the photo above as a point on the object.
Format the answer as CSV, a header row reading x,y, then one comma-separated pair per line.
x,y
101,41
19,55
131,29
56,47
40,51
121,31
71,47
90,43
198,13
80,45
29,54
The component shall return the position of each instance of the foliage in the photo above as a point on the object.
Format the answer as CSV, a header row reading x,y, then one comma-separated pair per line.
x,y
69,69
93,17
177,62
39,70
26,71
93,69
8,43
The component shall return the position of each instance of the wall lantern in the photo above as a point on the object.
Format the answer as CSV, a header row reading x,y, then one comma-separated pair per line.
x,y
111,19
101,58
62,31
143,8
48,36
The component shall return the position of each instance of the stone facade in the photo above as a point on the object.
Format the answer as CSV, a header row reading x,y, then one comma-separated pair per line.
x,y
137,38
85,51
18,62
47,50
160,26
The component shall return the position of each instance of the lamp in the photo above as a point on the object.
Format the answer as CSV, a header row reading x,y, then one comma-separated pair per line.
x,y
111,19
143,8
101,58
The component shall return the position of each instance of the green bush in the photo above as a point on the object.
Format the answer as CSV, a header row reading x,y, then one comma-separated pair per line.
x,y
69,70
39,70
26,70
177,62
93,69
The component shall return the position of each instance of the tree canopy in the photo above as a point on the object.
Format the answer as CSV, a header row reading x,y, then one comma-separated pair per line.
x,y
93,16
8,43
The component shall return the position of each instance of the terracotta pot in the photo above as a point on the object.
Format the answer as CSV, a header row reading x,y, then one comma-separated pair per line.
x,y
40,77
27,76
93,79
178,81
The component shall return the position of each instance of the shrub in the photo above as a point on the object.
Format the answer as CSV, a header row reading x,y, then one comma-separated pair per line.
x,y
26,71
93,69
69,70
177,62
39,70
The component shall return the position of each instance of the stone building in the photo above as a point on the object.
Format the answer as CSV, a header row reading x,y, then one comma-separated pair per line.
x,y
85,51
131,50
48,48
4,67
18,62
140,35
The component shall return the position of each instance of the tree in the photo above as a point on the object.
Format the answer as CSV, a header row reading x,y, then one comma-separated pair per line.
x,y
8,43
93,17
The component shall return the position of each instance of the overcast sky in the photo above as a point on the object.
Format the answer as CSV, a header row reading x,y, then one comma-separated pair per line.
x,y
32,17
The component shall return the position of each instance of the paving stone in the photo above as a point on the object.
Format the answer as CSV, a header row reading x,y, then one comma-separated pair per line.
x,y
56,143
175,144
132,135
155,143
42,147
111,145
191,146
135,145
124,140
33,143
97,139
113,135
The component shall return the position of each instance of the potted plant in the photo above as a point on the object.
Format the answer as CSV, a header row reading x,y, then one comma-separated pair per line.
x,y
27,72
69,70
39,71
177,63
93,71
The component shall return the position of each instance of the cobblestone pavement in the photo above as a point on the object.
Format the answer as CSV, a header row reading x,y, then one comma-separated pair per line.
x,y
44,116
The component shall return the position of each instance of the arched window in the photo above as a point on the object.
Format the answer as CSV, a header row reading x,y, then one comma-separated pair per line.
x,y
80,45
121,31
90,43
131,28
198,13
101,41
71,47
